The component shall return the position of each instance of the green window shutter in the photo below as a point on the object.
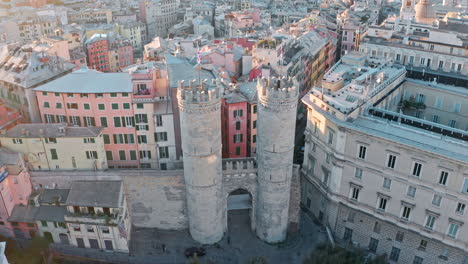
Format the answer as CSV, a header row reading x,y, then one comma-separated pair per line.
x,y
126,106
122,155
87,155
133,155
132,138
115,138
104,121
117,121
115,106
53,154
101,107
109,155
106,139
86,107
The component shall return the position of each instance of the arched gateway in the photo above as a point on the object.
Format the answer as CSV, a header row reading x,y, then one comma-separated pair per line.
x,y
215,186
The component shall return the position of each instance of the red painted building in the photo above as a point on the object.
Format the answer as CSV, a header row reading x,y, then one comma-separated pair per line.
x,y
108,56
239,121
98,52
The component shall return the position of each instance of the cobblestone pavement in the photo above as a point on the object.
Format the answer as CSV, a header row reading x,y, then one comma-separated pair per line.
x,y
238,246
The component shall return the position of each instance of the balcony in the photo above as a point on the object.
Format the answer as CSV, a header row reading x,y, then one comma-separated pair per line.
x,y
90,218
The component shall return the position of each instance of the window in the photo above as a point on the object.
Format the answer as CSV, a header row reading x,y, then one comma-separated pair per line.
x,y
76,228
99,95
75,120
358,173
255,109
69,95
141,118
362,152
58,105
51,140
331,135
387,183
254,138
83,95
351,216
383,203
453,230
238,113
113,95
395,254
355,193
89,121
139,106
460,208
142,139
254,124
46,105
159,121
117,122
399,236
53,154
109,155
406,212
105,230
238,150
238,125
391,161
142,127
439,102
443,177
411,192
465,186
436,200
86,106
72,105
417,167
90,229
418,260
44,93
44,223
126,106
91,155
160,136
430,221
101,106
49,118
17,141
422,245
238,138
163,152
348,234
452,123
122,155
103,121
326,176
373,244
115,106
91,140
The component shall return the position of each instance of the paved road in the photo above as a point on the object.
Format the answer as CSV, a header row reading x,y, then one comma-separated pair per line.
x,y
147,245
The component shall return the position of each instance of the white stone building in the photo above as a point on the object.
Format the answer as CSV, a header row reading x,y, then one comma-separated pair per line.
x,y
97,215
378,172
47,146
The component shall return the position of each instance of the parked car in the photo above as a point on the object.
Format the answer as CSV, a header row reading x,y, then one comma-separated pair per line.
x,y
199,251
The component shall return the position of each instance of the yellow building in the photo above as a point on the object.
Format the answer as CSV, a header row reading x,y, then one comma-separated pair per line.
x,y
57,146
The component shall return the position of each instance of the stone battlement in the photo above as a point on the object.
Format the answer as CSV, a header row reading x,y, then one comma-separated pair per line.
x,y
242,164
195,93
277,88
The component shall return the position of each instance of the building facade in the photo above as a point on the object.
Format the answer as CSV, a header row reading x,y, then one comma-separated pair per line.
x,y
47,146
376,173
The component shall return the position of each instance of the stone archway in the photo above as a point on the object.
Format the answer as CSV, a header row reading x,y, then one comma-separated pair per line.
x,y
239,215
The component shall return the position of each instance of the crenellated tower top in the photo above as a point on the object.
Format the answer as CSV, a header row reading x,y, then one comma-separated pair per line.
x,y
199,96
276,93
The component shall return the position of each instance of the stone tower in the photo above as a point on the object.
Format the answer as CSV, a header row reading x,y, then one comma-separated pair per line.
x,y
200,120
277,106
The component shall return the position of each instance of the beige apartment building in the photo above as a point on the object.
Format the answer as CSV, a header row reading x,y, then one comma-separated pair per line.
x,y
57,146
379,171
